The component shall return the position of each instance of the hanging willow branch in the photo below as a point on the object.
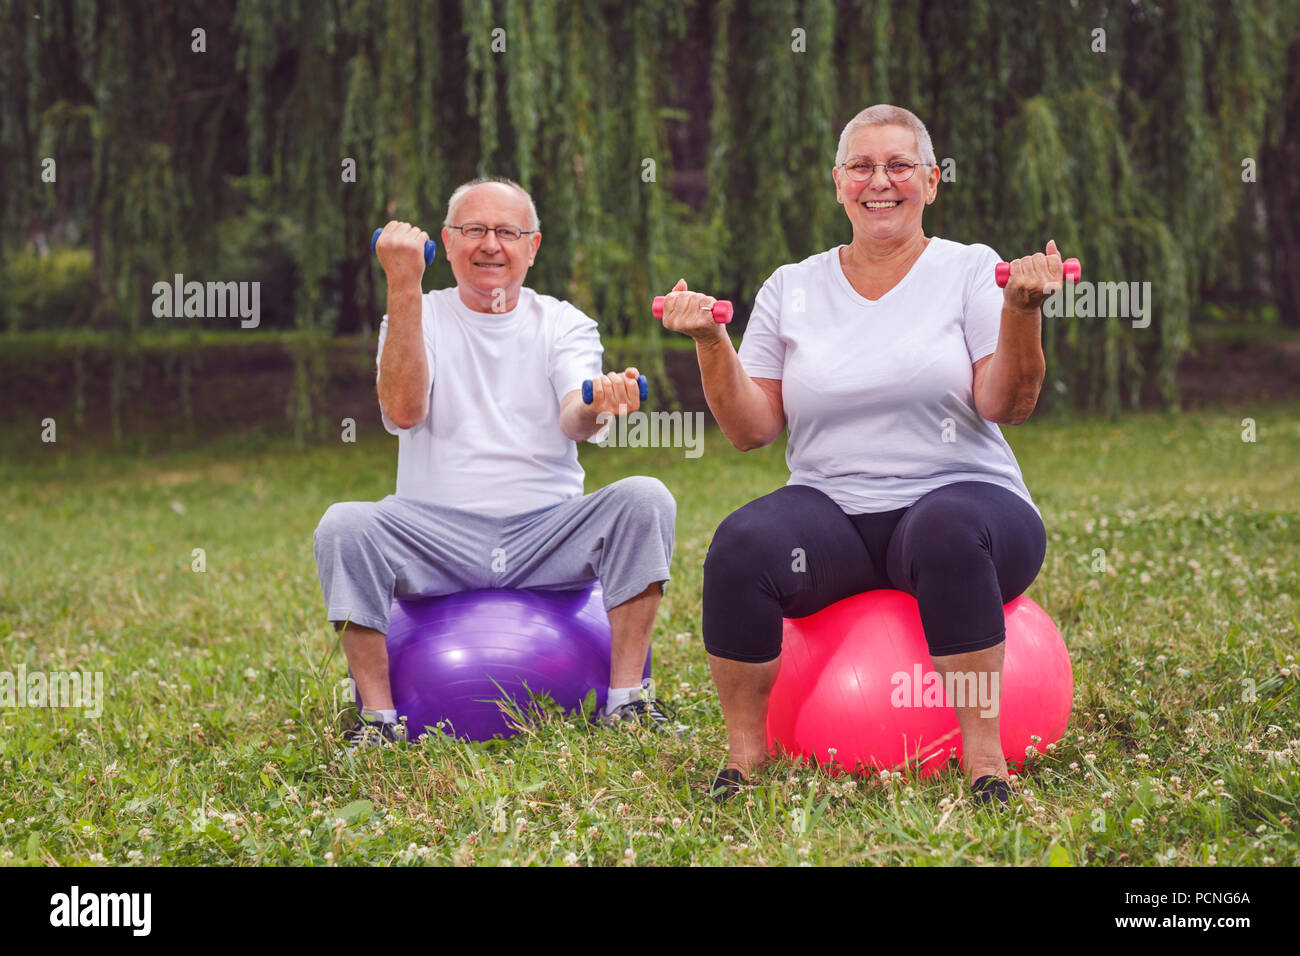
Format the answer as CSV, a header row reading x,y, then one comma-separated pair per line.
x,y
172,161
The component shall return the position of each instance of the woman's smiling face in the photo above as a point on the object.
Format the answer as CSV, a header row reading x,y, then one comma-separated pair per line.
x,y
879,208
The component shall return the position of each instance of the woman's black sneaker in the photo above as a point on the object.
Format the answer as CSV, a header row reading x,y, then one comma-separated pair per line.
x,y
990,789
727,784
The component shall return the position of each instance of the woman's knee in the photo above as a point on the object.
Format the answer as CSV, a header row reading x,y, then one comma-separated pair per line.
x,y
746,543
958,534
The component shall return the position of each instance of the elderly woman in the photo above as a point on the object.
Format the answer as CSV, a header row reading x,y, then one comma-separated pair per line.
x,y
891,361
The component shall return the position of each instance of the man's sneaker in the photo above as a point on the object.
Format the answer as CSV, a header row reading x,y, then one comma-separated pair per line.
x,y
648,712
371,733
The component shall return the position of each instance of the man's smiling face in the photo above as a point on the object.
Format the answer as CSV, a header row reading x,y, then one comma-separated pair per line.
x,y
489,272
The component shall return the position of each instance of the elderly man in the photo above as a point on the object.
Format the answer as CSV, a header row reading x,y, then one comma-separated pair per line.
x,y
482,385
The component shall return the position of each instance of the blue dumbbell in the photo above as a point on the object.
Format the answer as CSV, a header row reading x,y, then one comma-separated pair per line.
x,y
430,247
589,395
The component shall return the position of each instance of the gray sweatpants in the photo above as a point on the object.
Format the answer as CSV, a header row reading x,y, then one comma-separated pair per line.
x,y
367,552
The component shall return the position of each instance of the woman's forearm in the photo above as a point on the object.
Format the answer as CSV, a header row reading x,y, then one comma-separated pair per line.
x,y
403,367
742,409
1015,375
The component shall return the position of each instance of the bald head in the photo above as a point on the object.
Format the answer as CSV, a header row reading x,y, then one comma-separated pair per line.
x,y
501,193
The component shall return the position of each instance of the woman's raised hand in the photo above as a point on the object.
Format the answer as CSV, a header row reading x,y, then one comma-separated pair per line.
x,y
1034,278
691,313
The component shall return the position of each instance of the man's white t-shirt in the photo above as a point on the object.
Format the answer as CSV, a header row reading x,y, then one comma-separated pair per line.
x,y
492,443
878,396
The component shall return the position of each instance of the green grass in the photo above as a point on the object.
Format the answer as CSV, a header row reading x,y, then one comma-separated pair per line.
x,y
224,697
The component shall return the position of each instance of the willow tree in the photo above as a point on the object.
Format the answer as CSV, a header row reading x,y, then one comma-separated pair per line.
x,y
1119,129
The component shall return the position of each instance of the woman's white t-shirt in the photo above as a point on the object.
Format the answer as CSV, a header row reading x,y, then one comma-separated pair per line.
x,y
878,396
492,443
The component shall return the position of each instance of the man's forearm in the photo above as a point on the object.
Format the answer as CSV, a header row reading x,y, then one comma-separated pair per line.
x,y
403,367
578,421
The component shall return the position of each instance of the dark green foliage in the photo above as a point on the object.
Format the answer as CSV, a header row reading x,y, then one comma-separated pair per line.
x,y
228,164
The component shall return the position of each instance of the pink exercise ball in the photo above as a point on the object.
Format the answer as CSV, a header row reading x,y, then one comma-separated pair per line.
x,y
857,678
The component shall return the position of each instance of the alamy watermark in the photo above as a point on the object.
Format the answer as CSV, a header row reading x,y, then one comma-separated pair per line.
x,y
953,689
208,300
1101,300
129,910
62,689
654,430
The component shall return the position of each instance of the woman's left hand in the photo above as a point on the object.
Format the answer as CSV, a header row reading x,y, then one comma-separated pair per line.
x,y
1034,278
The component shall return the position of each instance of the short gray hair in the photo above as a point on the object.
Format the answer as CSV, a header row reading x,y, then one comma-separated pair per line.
x,y
458,194
883,114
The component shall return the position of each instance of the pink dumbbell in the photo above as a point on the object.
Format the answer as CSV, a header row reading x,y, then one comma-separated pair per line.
x,y
722,311
1073,272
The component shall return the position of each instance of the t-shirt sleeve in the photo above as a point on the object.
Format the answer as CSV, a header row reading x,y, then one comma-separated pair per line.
x,y
762,352
982,311
389,425
576,354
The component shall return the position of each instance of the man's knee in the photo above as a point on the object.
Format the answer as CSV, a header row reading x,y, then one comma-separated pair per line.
x,y
343,520
644,492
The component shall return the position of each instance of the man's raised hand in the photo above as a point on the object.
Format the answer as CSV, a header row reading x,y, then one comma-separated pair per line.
x,y
616,392
400,249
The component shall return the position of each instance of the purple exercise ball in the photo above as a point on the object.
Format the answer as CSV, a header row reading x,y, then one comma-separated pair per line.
x,y
447,655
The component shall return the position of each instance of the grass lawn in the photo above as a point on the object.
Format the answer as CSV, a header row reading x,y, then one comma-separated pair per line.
x,y
224,689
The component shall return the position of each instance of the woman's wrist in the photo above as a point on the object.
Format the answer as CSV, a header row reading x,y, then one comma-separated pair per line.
x,y
712,339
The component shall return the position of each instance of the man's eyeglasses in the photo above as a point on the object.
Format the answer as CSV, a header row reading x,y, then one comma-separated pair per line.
x,y
898,171
476,230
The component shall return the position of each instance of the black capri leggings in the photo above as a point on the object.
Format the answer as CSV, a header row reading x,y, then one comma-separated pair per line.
x,y
962,551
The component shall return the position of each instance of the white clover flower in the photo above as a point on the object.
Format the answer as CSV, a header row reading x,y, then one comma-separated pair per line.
x,y
1137,823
